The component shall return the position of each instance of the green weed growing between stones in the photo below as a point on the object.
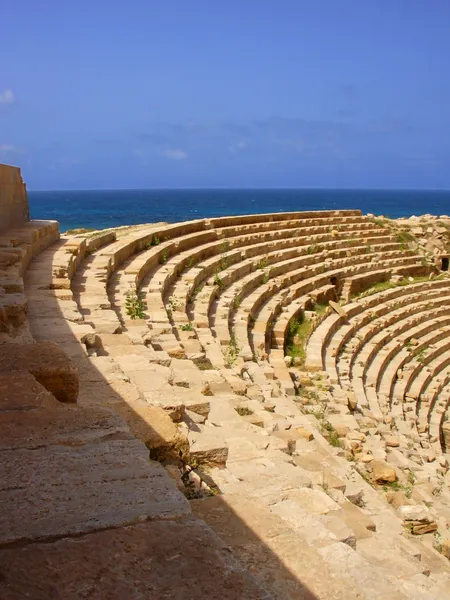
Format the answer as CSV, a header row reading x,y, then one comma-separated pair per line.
x,y
134,305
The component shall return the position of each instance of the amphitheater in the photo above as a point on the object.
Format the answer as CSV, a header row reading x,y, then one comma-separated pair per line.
x,y
247,407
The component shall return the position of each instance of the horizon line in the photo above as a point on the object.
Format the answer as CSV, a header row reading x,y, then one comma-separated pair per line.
x,y
245,188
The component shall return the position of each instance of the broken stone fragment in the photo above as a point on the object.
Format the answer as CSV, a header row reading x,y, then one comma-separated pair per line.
x,y
338,309
391,441
288,361
382,472
417,512
418,528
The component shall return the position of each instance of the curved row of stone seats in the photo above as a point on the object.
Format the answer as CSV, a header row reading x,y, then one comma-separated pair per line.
x,y
276,324
335,330
304,252
396,353
378,380
275,295
282,321
188,234
201,299
432,403
91,286
370,338
255,245
376,325
378,395
422,407
147,265
419,376
282,274
225,252
195,235
365,353
417,266
18,247
49,285
366,362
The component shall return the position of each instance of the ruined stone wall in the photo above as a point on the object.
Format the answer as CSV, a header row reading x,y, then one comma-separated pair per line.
x,y
14,208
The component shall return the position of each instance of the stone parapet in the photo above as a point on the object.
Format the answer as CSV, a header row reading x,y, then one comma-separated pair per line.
x,y
14,208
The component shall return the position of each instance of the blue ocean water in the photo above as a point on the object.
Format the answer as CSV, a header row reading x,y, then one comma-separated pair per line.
x,y
110,208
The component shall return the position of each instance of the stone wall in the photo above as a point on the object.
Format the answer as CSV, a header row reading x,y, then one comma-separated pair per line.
x,y
14,208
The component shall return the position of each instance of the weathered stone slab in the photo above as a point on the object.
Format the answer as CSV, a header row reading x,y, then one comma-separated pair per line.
x,y
47,362
56,491
19,391
64,425
278,556
153,426
179,560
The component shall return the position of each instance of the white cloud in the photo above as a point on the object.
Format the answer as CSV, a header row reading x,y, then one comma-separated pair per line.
x,y
238,147
175,154
7,97
9,149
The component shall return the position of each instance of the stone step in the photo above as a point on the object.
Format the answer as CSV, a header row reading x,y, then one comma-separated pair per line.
x,y
157,559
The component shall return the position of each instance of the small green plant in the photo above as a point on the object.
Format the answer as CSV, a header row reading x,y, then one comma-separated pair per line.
x,y
312,249
331,434
134,305
404,237
163,256
223,262
266,276
421,355
298,332
262,263
232,352
218,280
195,292
172,305
187,327
80,230
155,241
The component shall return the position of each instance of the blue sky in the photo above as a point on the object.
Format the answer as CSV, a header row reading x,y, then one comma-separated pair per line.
x,y
248,93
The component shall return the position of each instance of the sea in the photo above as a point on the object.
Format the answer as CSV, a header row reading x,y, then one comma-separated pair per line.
x,y
99,209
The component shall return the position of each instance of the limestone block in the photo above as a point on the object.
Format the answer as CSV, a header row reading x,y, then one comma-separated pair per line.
x,y
382,472
19,391
67,425
153,426
47,362
415,512
58,490
137,561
